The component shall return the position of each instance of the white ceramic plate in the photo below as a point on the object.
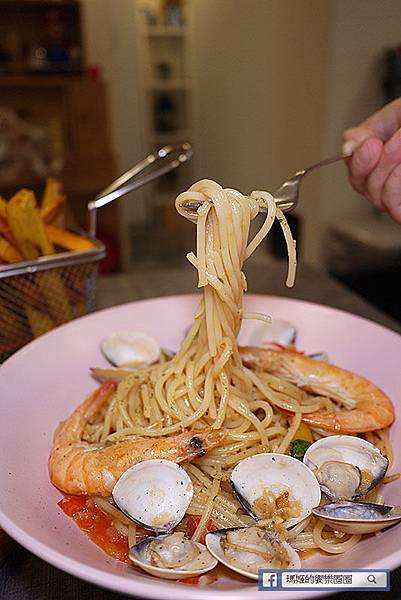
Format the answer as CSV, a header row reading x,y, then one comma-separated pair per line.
x,y
43,382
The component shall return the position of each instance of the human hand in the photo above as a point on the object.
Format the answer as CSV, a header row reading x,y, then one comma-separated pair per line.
x,y
375,167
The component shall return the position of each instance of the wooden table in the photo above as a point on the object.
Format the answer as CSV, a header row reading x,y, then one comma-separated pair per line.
x,y
24,576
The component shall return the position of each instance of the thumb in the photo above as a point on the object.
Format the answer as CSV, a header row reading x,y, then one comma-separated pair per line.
x,y
364,160
354,137
382,124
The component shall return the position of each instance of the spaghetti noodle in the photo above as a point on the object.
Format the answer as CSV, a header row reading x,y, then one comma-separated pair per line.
x,y
205,384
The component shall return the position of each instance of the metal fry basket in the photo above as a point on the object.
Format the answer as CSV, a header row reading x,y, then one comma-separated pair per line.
x,y
38,295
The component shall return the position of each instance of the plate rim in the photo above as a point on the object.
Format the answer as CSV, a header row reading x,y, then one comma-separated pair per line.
x,y
123,584
171,297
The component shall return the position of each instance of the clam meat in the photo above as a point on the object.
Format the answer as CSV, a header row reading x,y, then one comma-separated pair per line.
x,y
338,479
275,486
172,556
346,467
248,549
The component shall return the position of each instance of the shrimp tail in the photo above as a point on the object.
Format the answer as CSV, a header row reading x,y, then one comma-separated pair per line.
x,y
71,429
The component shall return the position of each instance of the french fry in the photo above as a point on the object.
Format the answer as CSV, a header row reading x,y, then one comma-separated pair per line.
x,y
55,296
53,191
8,253
79,308
12,332
27,226
23,289
3,208
67,240
53,200
39,321
41,300
5,231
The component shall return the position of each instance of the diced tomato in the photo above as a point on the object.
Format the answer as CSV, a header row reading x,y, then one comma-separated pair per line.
x,y
97,525
193,523
100,529
71,505
190,580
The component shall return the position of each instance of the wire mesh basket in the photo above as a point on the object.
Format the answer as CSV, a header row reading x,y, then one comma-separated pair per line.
x,y
38,295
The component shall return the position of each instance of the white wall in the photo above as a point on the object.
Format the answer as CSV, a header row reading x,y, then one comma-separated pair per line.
x,y
361,30
110,43
261,74
277,81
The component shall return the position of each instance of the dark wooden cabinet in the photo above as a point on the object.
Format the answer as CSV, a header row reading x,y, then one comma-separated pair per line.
x,y
54,115
73,111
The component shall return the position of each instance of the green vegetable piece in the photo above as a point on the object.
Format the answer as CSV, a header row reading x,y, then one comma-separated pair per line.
x,y
298,448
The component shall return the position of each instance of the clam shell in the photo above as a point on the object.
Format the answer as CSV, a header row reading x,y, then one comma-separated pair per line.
x,y
278,331
130,349
155,494
277,473
137,555
348,449
358,517
213,544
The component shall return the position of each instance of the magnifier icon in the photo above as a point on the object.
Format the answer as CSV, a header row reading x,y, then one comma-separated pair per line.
x,y
371,578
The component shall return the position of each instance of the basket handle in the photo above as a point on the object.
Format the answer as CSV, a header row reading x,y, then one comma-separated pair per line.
x,y
128,181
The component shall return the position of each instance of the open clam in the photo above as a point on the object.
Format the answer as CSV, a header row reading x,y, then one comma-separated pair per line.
x,y
278,475
154,494
358,517
277,331
346,467
131,349
248,549
172,556
278,491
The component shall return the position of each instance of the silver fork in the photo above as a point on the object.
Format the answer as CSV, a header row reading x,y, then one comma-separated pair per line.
x,y
286,196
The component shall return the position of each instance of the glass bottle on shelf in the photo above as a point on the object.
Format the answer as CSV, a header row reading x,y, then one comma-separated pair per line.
x,y
165,113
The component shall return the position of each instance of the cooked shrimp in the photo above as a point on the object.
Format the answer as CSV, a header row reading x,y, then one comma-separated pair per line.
x,y
77,467
368,407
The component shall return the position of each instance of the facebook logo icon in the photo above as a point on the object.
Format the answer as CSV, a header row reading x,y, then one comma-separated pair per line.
x,y
269,579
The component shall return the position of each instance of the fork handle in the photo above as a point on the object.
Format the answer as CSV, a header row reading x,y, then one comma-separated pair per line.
x,y
323,163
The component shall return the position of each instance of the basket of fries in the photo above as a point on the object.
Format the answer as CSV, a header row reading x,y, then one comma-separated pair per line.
x,y
48,273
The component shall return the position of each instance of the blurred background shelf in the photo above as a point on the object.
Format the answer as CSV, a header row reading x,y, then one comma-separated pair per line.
x,y
167,114
168,85
54,114
41,36
165,31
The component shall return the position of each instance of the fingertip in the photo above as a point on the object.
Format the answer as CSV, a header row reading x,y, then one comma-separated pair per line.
x,y
366,157
349,147
357,135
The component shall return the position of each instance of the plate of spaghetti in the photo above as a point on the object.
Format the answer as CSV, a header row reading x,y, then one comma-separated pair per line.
x,y
246,432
